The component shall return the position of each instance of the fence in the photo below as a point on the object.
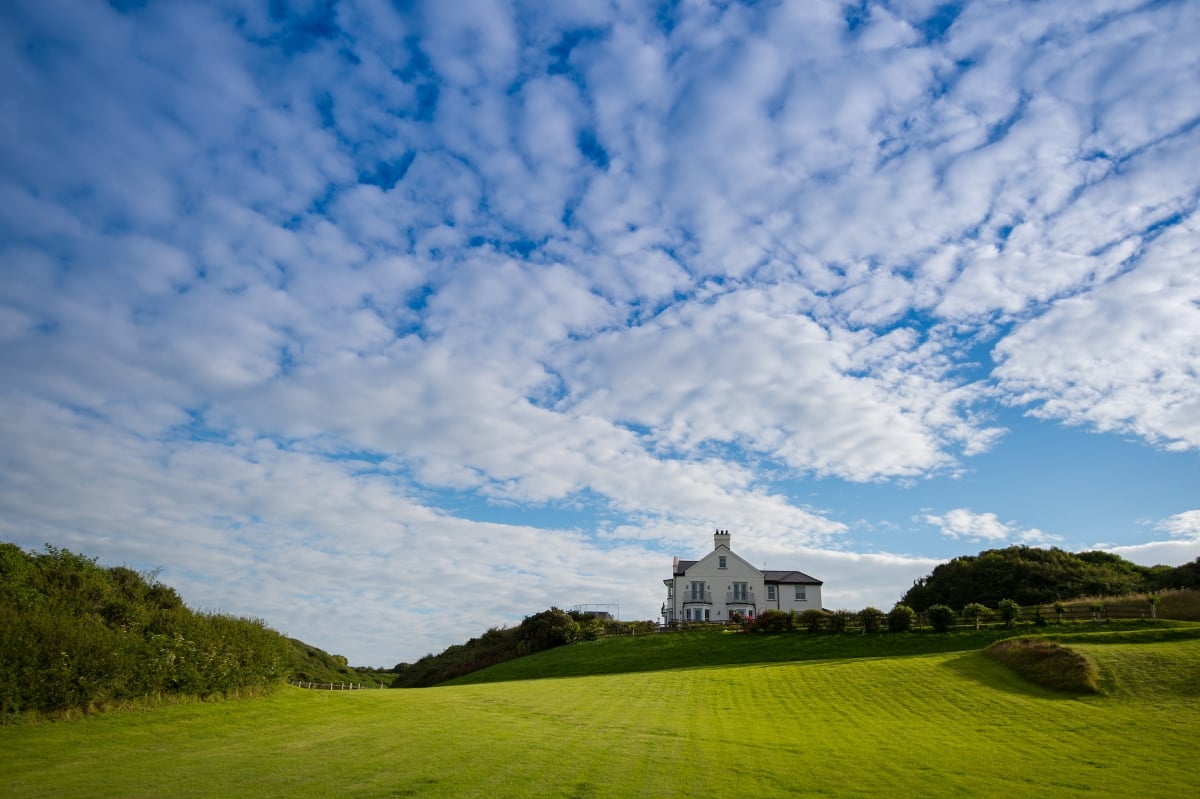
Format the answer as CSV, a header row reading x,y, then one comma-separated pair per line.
x,y
852,622
331,686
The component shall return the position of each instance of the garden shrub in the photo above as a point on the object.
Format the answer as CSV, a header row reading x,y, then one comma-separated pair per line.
x,y
941,618
872,619
976,613
901,618
773,621
813,620
839,620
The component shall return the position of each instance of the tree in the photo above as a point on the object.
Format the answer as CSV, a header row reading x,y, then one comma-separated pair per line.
x,y
1009,611
1153,600
941,618
977,613
1034,576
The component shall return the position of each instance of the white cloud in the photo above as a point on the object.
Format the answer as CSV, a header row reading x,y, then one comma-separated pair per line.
x,y
962,523
1182,525
965,524
1122,357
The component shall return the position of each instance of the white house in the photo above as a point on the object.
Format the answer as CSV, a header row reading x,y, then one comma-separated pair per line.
x,y
722,584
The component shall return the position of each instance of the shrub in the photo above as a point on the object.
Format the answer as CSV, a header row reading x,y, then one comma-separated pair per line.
x,y
977,612
901,618
773,621
548,629
76,636
813,620
941,618
839,620
1048,664
1009,611
872,619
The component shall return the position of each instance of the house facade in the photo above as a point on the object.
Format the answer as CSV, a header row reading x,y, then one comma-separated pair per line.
x,y
722,586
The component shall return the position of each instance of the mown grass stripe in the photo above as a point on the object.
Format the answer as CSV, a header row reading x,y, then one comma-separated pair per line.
x,y
946,724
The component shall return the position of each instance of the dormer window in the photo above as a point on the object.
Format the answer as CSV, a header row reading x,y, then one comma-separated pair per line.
x,y
720,561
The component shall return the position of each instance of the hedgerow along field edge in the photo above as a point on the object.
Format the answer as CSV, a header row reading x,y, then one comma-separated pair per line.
x,y
942,724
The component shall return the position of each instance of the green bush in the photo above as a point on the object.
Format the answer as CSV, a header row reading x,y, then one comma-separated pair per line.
x,y
901,618
839,620
76,636
548,629
976,613
872,619
773,621
941,618
813,620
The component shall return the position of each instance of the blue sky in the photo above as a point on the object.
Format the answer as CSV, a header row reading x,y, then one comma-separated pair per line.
x,y
389,323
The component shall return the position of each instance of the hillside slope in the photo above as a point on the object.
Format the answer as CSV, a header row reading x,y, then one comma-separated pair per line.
x,y
952,724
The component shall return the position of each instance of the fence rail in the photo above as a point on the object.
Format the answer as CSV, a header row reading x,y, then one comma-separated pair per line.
x,y
331,686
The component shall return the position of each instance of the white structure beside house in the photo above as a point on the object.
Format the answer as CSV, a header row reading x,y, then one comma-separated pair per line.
x,y
722,584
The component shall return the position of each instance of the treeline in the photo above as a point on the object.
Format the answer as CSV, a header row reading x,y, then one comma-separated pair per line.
x,y
535,633
77,636
1035,576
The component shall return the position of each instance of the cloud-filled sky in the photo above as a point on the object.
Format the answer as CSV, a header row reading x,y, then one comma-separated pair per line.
x,y
392,322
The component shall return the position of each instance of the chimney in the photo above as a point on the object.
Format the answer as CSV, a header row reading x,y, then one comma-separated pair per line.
x,y
721,539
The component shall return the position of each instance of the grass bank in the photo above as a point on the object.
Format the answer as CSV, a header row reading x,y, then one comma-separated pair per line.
x,y
940,724
717,647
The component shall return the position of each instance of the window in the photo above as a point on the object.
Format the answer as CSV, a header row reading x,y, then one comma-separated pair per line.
x,y
698,590
739,592
800,593
770,592
721,561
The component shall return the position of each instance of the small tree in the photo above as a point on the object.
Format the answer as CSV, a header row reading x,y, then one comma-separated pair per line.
x,y
1097,610
941,618
872,619
977,612
1153,600
1059,609
1009,611
901,618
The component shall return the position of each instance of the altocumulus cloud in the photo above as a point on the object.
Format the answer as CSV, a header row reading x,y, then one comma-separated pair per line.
x,y
392,325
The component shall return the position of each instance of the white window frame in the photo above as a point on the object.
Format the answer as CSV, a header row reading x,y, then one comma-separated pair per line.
x,y
801,594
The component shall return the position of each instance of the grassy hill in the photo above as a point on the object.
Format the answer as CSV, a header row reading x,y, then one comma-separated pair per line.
x,y
899,723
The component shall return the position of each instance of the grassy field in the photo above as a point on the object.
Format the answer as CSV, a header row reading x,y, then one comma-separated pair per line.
x,y
949,723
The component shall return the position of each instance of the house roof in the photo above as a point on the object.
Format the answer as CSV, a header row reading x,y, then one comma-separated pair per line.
x,y
789,577
785,577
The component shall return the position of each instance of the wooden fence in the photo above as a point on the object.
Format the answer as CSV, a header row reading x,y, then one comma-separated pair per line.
x,y
331,686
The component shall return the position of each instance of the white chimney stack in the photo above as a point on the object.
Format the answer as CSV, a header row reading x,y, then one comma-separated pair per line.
x,y
721,539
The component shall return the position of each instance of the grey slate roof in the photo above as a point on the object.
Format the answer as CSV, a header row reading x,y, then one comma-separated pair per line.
x,y
789,577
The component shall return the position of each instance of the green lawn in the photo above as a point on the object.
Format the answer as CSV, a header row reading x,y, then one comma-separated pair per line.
x,y
950,724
